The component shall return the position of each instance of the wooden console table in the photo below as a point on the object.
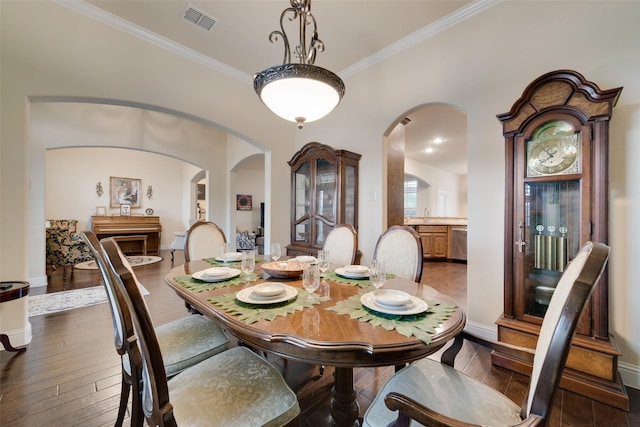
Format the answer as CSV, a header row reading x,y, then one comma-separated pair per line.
x,y
135,233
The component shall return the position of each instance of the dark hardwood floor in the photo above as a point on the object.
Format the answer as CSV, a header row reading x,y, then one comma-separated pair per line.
x,y
70,374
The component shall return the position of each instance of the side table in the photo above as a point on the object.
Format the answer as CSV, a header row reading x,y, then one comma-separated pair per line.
x,y
10,291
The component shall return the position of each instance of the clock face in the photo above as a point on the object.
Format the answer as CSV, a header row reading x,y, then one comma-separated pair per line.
x,y
554,149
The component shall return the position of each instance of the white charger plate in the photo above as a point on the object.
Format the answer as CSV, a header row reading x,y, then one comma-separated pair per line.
x,y
233,272
248,295
341,271
415,307
232,256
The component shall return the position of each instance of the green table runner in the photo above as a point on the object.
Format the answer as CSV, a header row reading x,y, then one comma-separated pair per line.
x,y
196,285
250,313
422,325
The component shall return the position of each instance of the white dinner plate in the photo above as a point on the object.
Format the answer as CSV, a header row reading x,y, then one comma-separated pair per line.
x,y
391,298
414,307
215,272
269,289
249,296
233,272
341,271
232,257
306,258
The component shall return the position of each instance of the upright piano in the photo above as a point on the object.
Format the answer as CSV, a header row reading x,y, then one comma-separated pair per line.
x,y
141,234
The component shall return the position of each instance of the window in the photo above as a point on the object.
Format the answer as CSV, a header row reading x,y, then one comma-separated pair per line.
x,y
411,197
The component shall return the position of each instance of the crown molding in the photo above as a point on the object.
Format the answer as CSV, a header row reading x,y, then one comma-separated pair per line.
x,y
471,9
101,15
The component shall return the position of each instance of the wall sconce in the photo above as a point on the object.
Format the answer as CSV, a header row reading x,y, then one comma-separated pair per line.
x,y
149,192
99,191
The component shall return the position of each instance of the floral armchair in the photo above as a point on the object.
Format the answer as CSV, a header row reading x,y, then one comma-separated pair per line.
x,y
64,245
245,241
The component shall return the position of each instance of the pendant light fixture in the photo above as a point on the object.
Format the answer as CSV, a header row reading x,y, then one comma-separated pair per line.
x,y
299,92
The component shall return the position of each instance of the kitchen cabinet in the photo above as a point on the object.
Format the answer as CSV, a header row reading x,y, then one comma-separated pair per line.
x,y
435,241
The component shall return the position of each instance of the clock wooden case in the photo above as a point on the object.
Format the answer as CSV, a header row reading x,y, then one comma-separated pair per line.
x,y
324,193
557,139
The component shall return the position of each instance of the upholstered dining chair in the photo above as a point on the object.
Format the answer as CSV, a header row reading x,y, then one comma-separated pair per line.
x,y
400,249
183,342
233,388
204,239
434,393
342,244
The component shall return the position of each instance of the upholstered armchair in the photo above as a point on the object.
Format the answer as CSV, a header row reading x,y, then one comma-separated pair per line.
x,y
245,241
65,247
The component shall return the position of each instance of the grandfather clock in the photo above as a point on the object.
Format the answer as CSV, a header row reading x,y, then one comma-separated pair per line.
x,y
557,145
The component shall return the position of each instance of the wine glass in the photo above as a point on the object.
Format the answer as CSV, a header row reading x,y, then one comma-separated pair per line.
x,y
225,248
248,263
323,262
378,274
276,251
311,279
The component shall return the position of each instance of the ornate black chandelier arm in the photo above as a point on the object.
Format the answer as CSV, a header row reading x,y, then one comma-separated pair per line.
x,y
300,10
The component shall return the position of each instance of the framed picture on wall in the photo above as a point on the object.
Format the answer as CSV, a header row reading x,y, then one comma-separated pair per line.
x,y
124,191
125,210
243,202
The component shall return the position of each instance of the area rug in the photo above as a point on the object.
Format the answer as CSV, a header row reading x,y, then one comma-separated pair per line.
x,y
134,260
68,300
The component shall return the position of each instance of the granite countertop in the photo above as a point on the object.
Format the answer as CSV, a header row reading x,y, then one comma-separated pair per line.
x,y
431,220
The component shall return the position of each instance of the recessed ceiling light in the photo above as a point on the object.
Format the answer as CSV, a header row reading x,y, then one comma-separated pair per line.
x,y
429,150
438,140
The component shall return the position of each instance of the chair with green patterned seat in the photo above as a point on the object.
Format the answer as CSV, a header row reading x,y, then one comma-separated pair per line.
x,y
435,394
233,388
183,342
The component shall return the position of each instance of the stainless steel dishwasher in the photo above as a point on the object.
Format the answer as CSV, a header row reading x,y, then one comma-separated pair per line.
x,y
459,243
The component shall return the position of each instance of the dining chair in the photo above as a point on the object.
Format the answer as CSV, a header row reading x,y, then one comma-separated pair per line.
x,y
183,342
342,244
435,394
203,240
400,249
233,388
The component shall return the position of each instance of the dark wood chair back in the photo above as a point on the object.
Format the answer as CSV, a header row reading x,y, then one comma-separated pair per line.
x,y
559,325
400,248
124,333
155,391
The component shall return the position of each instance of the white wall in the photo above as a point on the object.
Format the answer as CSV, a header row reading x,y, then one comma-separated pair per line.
x,y
72,175
439,179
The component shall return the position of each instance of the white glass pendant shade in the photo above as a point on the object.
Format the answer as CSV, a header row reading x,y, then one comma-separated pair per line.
x,y
300,93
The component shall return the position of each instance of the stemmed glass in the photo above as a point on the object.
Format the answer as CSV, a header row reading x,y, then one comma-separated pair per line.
x,y
378,274
276,251
248,263
323,262
225,249
311,279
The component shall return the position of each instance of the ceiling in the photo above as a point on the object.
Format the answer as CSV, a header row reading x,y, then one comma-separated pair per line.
x,y
239,43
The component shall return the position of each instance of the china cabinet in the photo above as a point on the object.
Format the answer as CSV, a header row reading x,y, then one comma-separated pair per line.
x,y
557,139
324,192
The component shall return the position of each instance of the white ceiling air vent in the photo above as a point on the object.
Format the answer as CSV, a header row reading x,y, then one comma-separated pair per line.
x,y
198,17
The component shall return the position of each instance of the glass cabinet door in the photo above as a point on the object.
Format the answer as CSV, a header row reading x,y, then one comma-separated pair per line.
x,y
325,181
302,203
552,230
350,195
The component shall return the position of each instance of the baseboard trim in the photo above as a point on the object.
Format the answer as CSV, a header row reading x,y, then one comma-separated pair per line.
x,y
630,374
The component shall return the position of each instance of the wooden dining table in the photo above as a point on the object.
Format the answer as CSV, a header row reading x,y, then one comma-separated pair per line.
x,y
318,335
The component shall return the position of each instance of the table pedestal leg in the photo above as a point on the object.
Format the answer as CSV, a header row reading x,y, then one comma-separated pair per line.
x,y
344,407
